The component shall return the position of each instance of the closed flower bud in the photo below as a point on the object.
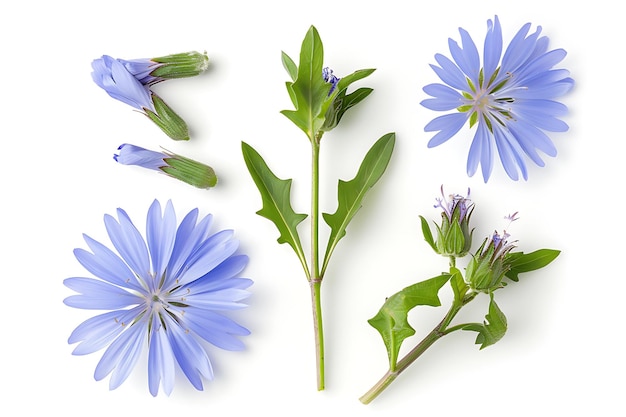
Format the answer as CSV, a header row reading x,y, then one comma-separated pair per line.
x,y
489,265
176,166
454,236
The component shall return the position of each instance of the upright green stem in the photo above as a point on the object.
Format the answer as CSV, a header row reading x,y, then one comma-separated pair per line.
x,y
438,332
316,279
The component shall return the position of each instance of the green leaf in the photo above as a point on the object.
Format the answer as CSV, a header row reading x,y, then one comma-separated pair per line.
x,y
275,194
309,90
391,320
350,194
290,66
344,82
459,286
524,262
428,235
493,328
340,104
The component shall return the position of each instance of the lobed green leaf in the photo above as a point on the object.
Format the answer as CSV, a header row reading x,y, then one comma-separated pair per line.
x,y
520,262
276,197
350,194
428,234
391,320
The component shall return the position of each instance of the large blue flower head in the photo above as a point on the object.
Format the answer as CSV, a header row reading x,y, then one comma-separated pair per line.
x,y
510,98
169,291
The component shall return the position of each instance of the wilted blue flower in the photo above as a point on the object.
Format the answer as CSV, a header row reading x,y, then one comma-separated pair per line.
x,y
169,291
510,97
330,78
176,166
113,77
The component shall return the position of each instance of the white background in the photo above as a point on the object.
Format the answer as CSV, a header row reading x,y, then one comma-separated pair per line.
x,y
563,352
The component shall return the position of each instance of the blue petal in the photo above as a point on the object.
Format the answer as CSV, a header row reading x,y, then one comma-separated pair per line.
x,y
448,125
161,363
129,243
160,234
219,300
136,155
510,153
530,138
188,236
541,113
467,58
445,99
98,295
449,73
208,255
97,332
191,357
519,50
222,276
481,152
215,328
105,264
492,49
122,355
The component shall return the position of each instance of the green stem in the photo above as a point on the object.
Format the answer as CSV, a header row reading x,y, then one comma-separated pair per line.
x,y
316,278
437,333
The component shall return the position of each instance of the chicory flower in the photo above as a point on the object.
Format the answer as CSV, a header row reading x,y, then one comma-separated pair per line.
x,y
170,291
510,98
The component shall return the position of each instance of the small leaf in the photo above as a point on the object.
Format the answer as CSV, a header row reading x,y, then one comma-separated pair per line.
x,y
525,262
345,81
276,196
350,194
493,328
290,66
391,320
309,90
342,103
459,286
428,234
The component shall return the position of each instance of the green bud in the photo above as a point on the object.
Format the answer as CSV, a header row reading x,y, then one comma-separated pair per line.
x,y
489,265
186,64
169,122
454,236
189,171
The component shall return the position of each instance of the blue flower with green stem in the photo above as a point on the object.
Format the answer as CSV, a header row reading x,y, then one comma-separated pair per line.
x,y
510,98
176,166
171,291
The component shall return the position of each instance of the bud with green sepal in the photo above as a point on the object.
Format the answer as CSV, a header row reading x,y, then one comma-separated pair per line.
x,y
489,265
176,166
150,71
454,236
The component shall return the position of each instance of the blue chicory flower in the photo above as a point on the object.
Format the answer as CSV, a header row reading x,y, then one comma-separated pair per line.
x,y
169,291
114,78
510,97
329,77
176,166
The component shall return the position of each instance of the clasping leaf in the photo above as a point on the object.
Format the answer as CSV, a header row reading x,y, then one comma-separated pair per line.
x,y
524,262
391,320
493,328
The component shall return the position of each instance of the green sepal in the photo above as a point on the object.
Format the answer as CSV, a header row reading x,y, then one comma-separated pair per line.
x,y
182,65
493,328
428,234
169,122
189,171
276,198
391,320
350,194
520,262
309,91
